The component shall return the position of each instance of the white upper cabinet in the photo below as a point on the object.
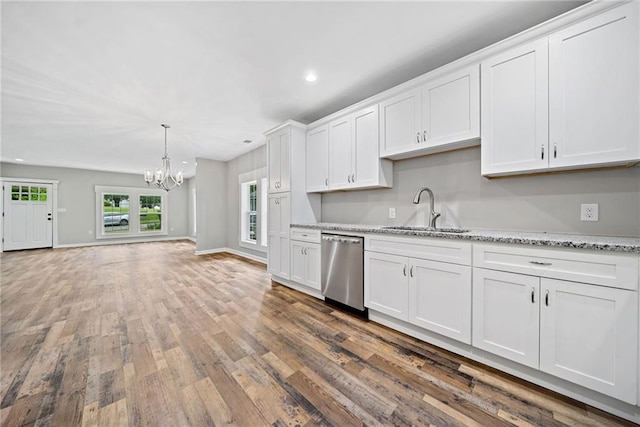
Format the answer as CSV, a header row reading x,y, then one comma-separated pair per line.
x,y
442,114
593,90
279,161
515,110
400,123
340,152
567,102
451,108
354,160
317,159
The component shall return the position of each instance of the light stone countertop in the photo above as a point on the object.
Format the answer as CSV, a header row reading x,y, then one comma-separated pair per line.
x,y
602,243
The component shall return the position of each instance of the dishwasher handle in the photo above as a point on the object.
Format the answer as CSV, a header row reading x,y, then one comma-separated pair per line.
x,y
341,239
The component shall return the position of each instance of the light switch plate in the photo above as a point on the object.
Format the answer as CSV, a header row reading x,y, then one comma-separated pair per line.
x,y
589,212
392,213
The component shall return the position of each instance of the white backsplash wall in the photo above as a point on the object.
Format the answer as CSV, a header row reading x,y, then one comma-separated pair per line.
x,y
525,203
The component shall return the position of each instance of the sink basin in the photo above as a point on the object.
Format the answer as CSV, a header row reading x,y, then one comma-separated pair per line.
x,y
427,229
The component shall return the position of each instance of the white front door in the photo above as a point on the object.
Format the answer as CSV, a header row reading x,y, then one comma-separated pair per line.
x,y
28,215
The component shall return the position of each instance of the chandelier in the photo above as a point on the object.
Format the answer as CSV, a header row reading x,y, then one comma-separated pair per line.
x,y
163,178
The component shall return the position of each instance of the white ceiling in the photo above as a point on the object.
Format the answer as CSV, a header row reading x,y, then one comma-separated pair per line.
x,y
87,84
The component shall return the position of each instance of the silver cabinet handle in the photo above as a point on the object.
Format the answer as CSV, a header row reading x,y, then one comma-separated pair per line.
x,y
305,251
533,295
546,298
424,136
542,156
404,270
418,137
326,181
540,263
353,178
411,271
555,151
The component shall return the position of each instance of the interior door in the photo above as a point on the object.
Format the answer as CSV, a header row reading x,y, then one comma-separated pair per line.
x,y
28,215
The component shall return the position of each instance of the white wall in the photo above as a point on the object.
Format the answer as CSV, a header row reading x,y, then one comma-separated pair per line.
x,y
211,206
255,159
77,195
535,203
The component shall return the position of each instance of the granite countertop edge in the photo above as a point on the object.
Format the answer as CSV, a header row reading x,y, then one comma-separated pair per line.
x,y
575,241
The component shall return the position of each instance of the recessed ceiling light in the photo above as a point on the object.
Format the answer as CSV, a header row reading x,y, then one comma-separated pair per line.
x,y
185,163
311,77
19,160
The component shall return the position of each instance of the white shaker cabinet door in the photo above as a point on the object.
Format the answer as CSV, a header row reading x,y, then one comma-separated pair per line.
x,y
451,107
506,315
312,254
386,284
298,262
317,159
366,153
400,123
340,152
440,298
589,336
593,90
515,110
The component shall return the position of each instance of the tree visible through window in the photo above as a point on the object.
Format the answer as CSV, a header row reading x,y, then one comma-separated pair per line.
x,y
150,213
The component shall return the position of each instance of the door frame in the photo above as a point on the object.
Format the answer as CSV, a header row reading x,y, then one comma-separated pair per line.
x,y
53,183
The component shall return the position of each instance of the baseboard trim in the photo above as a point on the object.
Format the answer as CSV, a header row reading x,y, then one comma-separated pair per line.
x,y
233,252
118,242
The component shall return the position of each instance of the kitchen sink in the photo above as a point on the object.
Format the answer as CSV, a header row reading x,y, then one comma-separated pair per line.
x,y
427,229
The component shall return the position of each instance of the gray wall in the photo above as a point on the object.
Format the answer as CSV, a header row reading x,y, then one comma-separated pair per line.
x,y
191,186
76,194
526,203
211,206
248,162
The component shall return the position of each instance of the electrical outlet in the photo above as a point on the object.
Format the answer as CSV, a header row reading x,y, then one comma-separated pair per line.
x,y
589,212
392,213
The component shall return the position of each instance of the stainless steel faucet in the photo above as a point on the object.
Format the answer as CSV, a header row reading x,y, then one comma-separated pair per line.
x,y
433,215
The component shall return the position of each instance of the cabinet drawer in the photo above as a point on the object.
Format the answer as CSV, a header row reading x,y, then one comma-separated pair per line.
x,y
617,270
421,247
305,235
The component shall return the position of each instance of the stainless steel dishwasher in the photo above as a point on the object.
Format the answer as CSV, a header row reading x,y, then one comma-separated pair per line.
x,y
343,271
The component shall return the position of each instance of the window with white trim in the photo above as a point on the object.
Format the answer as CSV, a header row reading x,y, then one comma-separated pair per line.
x,y
130,212
253,210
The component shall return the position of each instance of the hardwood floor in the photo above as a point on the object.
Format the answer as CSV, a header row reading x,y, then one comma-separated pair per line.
x,y
151,334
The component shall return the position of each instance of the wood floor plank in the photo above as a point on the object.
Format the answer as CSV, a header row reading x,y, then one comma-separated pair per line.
x,y
151,334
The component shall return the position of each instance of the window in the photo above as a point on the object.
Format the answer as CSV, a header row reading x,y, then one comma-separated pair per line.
x,y
249,228
253,210
26,193
115,213
129,212
150,213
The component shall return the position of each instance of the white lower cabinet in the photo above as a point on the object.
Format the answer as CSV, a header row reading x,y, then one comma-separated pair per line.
x,y
506,315
580,332
305,263
440,298
279,217
433,295
589,336
386,286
